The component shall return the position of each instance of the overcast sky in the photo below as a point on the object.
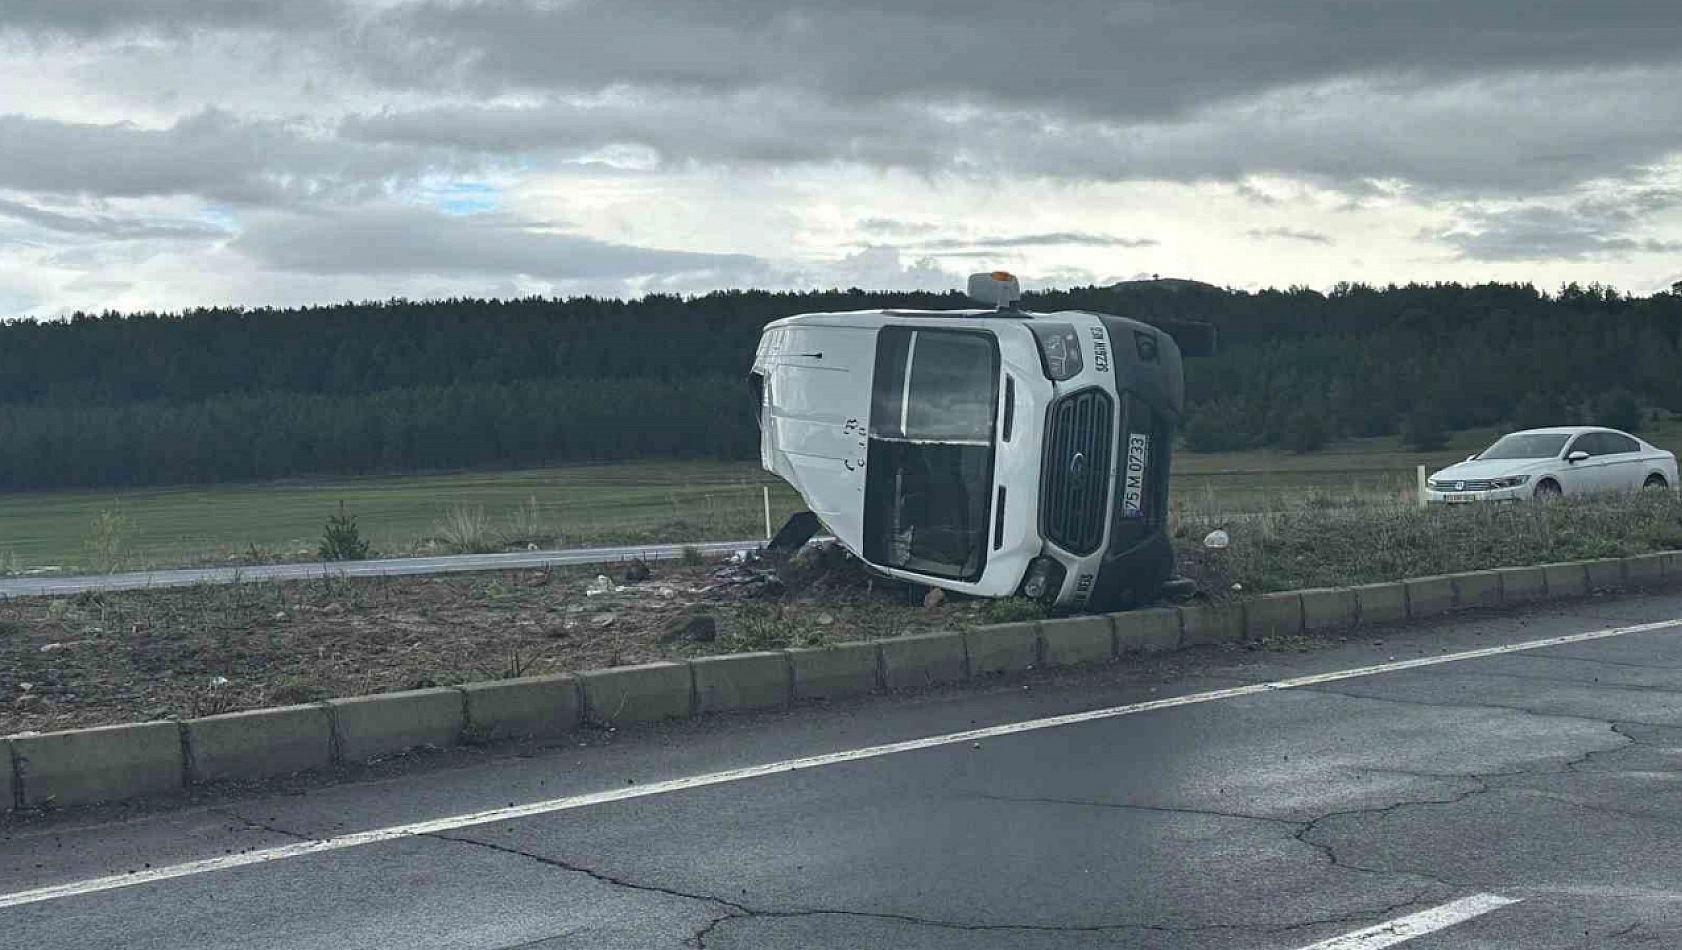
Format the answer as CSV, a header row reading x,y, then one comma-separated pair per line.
x,y
173,153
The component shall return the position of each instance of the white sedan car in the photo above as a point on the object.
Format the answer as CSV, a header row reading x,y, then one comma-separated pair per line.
x,y
1549,463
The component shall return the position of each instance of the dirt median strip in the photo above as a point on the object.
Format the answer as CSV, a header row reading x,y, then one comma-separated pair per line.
x,y
116,763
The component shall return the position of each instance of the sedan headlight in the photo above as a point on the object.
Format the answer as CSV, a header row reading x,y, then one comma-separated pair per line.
x,y
1511,481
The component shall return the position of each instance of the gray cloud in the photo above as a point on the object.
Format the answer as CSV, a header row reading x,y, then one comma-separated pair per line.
x,y
1535,233
402,240
213,154
1510,136
893,227
92,18
1142,59
1290,234
108,227
1050,239
1593,225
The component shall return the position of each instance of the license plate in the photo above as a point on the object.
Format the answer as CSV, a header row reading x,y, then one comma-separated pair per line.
x,y
1457,499
1133,489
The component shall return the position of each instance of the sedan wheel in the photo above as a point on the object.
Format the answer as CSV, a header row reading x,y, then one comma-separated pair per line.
x,y
1548,491
1655,483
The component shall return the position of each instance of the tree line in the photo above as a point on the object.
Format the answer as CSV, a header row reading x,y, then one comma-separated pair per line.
x,y
232,394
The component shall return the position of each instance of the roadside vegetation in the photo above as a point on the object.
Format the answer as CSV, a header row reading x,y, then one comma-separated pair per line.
x,y
113,657
1321,543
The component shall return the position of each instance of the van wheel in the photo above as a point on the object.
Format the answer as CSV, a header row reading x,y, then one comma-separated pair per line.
x,y
1655,481
1548,491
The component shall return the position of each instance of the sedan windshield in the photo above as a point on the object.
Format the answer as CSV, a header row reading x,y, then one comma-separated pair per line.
x,y
1525,447
930,458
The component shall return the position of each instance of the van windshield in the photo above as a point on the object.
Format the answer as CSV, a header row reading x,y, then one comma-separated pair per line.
x,y
930,458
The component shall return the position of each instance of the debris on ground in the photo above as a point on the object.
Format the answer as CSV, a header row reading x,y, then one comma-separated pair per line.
x,y
794,534
1217,540
691,627
637,571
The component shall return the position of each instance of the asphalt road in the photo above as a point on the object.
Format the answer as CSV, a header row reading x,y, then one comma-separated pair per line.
x,y
1529,799
45,585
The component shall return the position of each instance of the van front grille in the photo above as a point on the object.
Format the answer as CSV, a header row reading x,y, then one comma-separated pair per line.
x,y
1075,487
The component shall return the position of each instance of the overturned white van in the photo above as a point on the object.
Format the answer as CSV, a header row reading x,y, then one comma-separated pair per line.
x,y
992,452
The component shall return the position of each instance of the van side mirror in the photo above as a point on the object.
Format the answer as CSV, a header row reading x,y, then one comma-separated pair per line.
x,y
1576,456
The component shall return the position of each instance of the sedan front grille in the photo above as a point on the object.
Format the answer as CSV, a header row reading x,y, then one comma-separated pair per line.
x,y
1075,485
1467,484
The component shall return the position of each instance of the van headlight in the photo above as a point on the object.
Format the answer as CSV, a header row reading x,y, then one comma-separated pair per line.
x,y
1044,580
1511,481
1059,350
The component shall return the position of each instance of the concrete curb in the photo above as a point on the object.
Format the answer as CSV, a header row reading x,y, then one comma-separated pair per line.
x,y
1077,640
259,744
1156,630
114,763
742,681
1003,648
1335,608
538,707
926,659
81,766
367,727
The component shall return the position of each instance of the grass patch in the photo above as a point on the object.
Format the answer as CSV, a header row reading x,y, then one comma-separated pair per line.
x,y
1312,547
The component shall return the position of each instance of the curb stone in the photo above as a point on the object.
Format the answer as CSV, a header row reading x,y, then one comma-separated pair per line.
x,y
645,693
530,706
1523,584
1430,596
1477,589
1570,579
1273,615
1645,570
1605,573
113,763
836,672
926,659
261,743
1155,630
388,723
10,790
1077,640
742,681
105,763
1330,608
1002,648
1381,603
1211,623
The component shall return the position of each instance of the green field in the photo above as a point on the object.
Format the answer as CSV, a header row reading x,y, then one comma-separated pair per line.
x,y
575,506
607,504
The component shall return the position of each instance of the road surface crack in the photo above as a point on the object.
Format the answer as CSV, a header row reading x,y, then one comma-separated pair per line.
x,y
734,910
1330,851
1454,704
255,825
1127,806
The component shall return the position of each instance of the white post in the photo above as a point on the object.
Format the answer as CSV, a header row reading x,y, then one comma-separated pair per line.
x,y
767,490
1421,483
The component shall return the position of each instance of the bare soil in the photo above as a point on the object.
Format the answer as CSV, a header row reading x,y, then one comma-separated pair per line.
x,y
97,659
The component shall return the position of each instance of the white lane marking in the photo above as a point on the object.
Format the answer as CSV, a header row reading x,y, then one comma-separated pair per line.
x,y
573,802
1403,929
